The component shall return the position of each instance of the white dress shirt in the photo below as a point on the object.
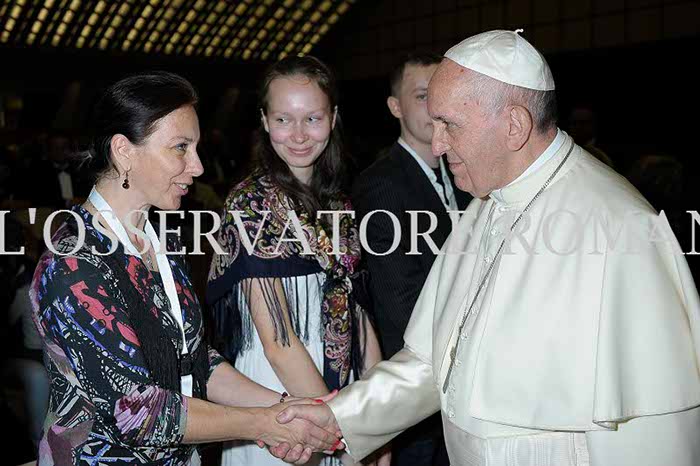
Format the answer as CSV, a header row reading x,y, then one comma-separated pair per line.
x,y
447,195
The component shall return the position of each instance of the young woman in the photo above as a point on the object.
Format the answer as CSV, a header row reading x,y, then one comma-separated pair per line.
x,y
286,310
120,323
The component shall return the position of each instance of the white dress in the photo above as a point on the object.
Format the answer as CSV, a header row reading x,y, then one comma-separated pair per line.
x,y
253,364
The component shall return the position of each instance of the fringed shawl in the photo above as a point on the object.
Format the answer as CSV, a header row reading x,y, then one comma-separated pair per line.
x,y
273,253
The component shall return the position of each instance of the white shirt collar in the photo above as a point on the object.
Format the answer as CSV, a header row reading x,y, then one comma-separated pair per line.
x,y
548,153
448,197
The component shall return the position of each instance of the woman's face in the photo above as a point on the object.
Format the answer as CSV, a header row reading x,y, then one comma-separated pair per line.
x,y
299,121
167,161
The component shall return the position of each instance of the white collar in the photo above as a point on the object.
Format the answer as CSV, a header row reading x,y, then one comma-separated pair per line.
x,y
423,164
108,214
548,153
447,195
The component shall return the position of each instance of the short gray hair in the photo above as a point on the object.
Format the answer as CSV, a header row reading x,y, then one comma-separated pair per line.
x,y
495,95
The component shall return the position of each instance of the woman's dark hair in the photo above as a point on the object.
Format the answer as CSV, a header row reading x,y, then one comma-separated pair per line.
x,y
329,178
132,107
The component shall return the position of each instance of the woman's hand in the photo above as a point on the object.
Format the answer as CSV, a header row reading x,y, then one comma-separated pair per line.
x,y
296,432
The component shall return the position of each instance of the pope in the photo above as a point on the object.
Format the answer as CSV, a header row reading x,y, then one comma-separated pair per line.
x,y
560,324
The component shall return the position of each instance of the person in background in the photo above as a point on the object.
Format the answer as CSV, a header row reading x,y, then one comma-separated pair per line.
x,y
408,178
287,315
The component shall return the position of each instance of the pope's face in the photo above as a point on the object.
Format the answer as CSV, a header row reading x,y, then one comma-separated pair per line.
x,y
465,132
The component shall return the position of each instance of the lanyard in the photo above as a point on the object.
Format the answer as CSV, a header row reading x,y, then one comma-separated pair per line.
x,y
166,272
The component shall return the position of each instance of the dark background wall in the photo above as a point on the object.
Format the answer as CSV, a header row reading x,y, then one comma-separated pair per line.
x,y
630,60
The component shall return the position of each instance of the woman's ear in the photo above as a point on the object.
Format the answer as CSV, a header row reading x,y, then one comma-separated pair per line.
x,y
121,151
335,115
264,121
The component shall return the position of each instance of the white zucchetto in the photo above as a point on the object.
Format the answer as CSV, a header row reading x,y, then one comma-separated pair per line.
x,y
506,57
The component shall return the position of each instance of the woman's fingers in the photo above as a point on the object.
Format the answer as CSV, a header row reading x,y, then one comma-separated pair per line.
x,y
320,439
305,457
327,398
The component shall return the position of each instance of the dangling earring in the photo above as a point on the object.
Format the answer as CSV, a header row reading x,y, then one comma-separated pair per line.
x,y
125,184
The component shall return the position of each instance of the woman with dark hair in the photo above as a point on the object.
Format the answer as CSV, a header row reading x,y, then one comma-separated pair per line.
x,y
284,295
121,325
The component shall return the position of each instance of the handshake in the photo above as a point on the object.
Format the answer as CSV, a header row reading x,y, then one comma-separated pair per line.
x,y
300,427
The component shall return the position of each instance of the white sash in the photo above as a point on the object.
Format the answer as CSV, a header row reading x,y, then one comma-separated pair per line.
x,y
166,272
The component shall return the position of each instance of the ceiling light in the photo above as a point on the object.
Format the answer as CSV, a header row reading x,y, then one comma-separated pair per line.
x,y
221,6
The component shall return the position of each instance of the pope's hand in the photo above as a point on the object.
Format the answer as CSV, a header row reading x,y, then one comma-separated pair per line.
x,y
313,411
294,413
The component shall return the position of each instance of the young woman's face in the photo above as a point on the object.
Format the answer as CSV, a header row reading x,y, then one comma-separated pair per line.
x,y
299,121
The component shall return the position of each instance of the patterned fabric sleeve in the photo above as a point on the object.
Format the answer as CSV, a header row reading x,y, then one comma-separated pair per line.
x,y
95,347
214,360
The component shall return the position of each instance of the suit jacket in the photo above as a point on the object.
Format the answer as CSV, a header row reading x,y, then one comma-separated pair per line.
x,y
396,183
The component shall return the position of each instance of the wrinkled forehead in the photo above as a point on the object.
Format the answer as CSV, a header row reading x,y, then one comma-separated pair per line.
x,y
449,84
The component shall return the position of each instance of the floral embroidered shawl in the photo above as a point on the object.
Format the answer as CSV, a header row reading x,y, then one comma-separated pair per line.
x,y
275,256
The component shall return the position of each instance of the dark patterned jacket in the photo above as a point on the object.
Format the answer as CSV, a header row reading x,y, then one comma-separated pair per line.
x,y
104,408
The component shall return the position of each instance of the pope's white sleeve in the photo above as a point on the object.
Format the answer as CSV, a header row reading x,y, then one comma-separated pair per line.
x,y
393,396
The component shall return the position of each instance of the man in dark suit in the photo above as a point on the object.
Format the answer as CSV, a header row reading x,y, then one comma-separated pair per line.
x,y
407,178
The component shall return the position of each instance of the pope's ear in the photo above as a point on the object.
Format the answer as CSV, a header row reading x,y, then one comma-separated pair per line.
x,y
519,127
263,120
394,107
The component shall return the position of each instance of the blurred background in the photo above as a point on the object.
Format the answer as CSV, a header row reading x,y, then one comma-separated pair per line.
x,y
623,70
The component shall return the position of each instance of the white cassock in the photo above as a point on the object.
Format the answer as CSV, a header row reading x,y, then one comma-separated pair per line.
x,y
582,349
